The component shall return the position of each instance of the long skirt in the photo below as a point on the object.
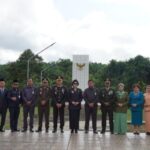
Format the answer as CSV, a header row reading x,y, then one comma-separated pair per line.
x,y
120,123
147,121
136,118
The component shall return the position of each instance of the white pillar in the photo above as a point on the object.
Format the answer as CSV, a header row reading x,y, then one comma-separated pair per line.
x,y
80,70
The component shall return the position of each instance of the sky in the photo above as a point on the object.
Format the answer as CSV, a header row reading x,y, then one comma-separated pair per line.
x,y
103,29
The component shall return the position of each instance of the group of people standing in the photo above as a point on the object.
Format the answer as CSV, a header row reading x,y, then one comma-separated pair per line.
x,y
113,104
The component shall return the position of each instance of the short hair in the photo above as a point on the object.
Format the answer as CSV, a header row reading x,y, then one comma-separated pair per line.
x,y
15,81
45,79
2,79
90,80
75,81
136,85
108,79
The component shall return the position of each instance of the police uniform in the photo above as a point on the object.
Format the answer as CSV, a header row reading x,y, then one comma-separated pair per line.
x,y
14,106
91,96
74,95
59,96
107,100
43,106
3,106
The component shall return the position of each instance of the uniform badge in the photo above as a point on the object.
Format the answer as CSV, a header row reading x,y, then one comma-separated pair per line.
x,y
63,91
40,91
55,90
33,92
110,92
19,96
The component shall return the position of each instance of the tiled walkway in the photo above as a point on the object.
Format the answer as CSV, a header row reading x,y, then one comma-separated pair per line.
x,y
67,141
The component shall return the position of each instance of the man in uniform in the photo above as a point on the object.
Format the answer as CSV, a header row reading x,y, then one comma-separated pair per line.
x,y
14,101
59,96
3,104
29,95
91,99
44,104
107,100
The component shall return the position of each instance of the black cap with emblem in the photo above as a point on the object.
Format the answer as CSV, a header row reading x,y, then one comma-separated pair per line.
x,y
59,78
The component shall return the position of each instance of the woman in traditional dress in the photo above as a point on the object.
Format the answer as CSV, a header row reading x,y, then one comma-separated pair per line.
x,y
120,114
136,101
147,110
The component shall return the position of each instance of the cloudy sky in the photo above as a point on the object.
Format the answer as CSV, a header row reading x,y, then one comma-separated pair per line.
x,y
104,29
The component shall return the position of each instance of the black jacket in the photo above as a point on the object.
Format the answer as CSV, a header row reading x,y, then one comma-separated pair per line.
x,y
107,96
59,95
14,93
91,96
75,96
3,99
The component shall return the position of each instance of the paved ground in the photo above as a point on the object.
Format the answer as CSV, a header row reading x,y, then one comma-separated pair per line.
x,y
67,141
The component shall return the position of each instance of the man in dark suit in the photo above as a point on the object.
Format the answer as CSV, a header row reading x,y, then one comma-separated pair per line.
x,y
29,96
91,99
14,101
3,104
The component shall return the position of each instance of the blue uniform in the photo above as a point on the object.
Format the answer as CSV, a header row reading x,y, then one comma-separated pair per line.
x,y
136,112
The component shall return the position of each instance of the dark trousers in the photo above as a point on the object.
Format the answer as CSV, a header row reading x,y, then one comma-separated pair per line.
x,y
104,117
43,112
58,112
14,115
74,115
3,112
90,112
27,110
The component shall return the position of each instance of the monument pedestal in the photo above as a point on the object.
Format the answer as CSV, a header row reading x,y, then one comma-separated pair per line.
x,y
80,70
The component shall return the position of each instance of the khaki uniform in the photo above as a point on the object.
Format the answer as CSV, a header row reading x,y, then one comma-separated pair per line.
x,y
44,106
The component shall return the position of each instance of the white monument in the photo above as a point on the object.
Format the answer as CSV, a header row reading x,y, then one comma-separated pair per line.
x,y
80,70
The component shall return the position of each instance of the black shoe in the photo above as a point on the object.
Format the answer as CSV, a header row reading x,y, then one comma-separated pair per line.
x,y
31,130
16,130
54,131
147,133
102,132
46,130
136,133
24,130
76,131
39,130
86,131
12,130
72,131
112,132
1,130
62,131
95,132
